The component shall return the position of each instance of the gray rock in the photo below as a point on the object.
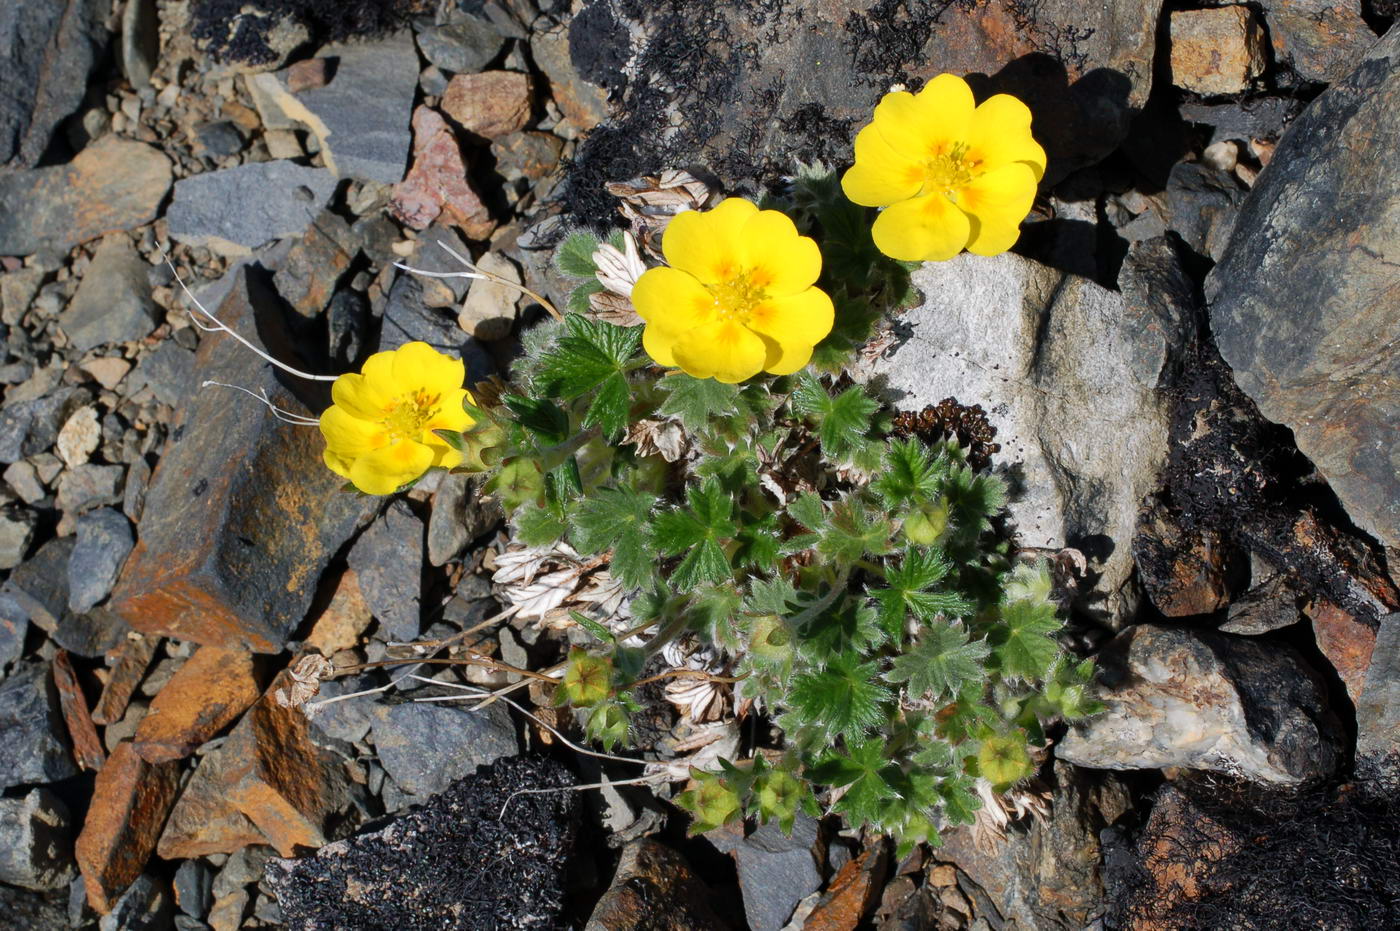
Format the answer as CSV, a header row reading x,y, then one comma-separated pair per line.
x,y
33,911
347,327
1378,710
16,533
347,720
388,558
465,45
144,906
47,51
194,888
168,372
33,743
1068,373
92,634
220,138
1302,303
361,118
36,841
458,517
1203,202
40,584
140,42
407,318
425,747
235,210
1319,39
14,624
104,541
1270,605
31,426
776,870
1210,701
17,289
113,303
90,485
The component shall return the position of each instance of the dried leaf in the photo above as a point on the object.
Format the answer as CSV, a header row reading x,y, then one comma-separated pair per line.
x,y
665,438
613,308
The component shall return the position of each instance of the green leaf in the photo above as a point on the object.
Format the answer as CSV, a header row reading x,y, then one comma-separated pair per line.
x,y
698,401
706,562
592,352
847,421
618,518
708,517
846,699
940,663
574,257
1022,640
610,406
910,475
607,723
809,511
593,627
542,417
757,544
847,624
960,800
712,802
853,532
579,302
776,597
538,526
865,769
919,570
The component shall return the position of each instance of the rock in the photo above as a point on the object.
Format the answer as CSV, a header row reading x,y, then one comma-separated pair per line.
x,y
1378,708
219,139
36,843
1202,203
309,74
113,302
458,517
426,746
347,326
776,871
235,210
654,887
1346,642
14,624
40,584
1207,701
130,802
144,906
32,744
407,318
347,720
1270,605
1054,359
490,104
343,621
1319,39
90,486
208,693
490,309
79,437
17,290
104,542
1304,242
107,370
128,664
140,42
454,863
308,274
47,52
527,155
271,516
87,749
168,372
1184,572
28,427
257,36
23,480
583,104
34,911
16,533
113,184
438,182
467,44
229,910
91,634
388,563
853,892
1217,51
361,117
271,772
194,888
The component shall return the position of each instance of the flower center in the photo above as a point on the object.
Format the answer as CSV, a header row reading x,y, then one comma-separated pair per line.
x,y
736,298
406,417
948,172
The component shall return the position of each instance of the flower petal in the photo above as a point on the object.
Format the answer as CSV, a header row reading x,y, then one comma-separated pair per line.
x,y
725,351
804,319
928,123
337,464
419,366
385,470
1000,133
779,259
882,175
784,358
924,229
707,244
999,200
348,435
657,341
672,299
361,395
450,414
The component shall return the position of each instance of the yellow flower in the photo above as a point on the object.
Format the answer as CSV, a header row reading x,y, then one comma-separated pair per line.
x,y
379,430
952,174
738,296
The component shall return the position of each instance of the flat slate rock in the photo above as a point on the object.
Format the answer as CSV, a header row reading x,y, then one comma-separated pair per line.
x,y
113,302
235,210
36,841
424,746
33,743
113,184
454,864
104,541
388,559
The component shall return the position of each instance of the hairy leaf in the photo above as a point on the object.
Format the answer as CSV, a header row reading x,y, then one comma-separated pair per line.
x,y
698,401
846,699
574,257
618,518
940,663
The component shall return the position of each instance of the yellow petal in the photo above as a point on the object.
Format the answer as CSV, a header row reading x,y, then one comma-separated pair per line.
x,y
657,341
779,259
882,175
784,358
707,244
671,302
419,366
361,395
1000,134
803,319
443,455
924,229
383,471
725,351
337,464
999,200
930,123
450,413
348,435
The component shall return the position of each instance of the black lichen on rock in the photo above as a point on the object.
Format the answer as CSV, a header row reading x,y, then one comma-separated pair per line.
x,y
452,863
240,30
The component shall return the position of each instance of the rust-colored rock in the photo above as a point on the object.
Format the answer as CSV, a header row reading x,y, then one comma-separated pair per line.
x,y
1345,641
1217,51
1320,39
490,104
1184,572
270,775
853,891
655,888
1179,848
241,516
343,621
308,75
128,662
437,183
130,802
206,694
87,748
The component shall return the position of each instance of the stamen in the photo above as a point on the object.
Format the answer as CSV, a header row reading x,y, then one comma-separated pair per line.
x,y
736,298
